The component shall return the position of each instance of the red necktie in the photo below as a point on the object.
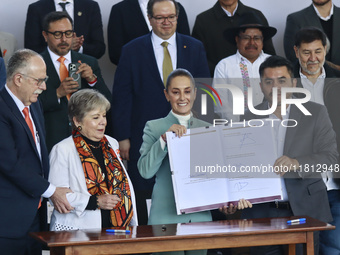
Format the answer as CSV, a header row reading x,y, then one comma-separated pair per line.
x,y
30,125
28,121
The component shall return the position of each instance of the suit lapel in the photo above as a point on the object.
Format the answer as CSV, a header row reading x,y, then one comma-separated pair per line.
x,y
312,19
296,115
136,12
17,114
51,72
150,55
182,56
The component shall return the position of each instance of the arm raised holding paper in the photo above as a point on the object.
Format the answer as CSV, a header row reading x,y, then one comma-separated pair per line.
x,y
154,161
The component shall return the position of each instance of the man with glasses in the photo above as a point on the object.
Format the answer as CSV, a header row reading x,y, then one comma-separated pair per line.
x,y
24,164
128,20
323,83
58,33
242,68
88,27
138,91
210,26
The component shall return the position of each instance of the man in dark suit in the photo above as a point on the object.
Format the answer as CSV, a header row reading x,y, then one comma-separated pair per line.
x,y
300,149
24,164
54,99
210,26
138,91
323,83
321,14
88,27
127,22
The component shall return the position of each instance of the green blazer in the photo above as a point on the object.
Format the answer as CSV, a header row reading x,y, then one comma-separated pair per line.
x,y
154,161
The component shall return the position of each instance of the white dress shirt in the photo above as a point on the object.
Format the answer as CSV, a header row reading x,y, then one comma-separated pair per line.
x,y
229,13
326,18
315,89
159,53
228,71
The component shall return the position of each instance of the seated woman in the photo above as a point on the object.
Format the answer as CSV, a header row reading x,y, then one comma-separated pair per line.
x,y
88,162
180,91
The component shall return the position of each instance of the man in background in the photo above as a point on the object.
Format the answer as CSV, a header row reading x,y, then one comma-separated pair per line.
x,y
242,68
58,33
210,26
323,83
322,14
88,37
129,20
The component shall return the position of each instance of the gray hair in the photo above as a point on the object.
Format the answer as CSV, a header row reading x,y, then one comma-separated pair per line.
x,y
19,62
84,101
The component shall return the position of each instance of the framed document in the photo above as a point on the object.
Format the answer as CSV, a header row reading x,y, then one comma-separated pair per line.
x,y
215,166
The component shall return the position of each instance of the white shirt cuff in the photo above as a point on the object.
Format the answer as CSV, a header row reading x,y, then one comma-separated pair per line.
x,y
49,192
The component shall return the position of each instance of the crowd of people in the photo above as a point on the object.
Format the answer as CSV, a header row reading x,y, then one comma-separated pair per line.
x,y
100,155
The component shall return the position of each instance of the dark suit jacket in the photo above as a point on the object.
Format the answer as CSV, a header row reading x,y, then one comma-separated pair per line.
x,y
23,176
331,95
87,22
138,91
311,142
55,113
305,18
210,26
127,22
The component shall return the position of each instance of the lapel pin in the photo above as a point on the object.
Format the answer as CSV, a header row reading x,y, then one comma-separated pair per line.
x,y
184,46
80,13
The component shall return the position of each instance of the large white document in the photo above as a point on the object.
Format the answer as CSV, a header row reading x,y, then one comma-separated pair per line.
x,y
215,166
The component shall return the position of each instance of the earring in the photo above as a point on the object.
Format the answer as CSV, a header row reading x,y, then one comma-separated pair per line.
x,y
79,128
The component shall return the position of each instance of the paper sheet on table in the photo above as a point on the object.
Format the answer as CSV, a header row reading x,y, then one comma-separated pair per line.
x,y
195,156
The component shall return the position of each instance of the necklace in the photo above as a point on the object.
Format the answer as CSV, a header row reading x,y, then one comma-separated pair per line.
x,y
95,147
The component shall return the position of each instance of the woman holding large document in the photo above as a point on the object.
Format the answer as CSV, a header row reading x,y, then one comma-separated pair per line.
x,y
180,91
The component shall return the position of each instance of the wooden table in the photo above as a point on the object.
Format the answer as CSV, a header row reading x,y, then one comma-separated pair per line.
x,y
190,236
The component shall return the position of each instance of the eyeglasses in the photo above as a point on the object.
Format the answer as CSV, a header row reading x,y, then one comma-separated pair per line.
x,y
160,19
39,81
59,34
256,38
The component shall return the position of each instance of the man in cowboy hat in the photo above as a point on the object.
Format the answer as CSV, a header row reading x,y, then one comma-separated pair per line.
x,y
242,68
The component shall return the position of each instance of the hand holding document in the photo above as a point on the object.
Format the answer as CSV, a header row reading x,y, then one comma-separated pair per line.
x,y
214,166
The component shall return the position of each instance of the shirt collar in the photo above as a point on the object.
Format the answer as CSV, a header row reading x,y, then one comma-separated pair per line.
x,y
326,18
61,1
229,13
239,57
157,40
55,57
144,2
181,117
17,101
322,75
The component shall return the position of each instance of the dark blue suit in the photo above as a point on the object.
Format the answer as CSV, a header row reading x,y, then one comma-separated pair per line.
x,y
87,22
127,22
138,92
23,176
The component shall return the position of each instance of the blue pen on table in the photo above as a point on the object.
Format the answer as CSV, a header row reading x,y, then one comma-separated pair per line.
x,y
118,231
296,221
